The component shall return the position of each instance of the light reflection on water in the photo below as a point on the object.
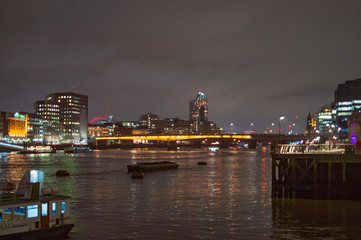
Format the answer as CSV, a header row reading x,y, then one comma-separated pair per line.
x,y
229,198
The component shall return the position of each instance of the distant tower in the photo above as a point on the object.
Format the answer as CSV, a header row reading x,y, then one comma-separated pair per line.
x,y
309,124
198,108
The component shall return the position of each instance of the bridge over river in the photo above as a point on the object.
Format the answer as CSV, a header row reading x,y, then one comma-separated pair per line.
x,y
173,141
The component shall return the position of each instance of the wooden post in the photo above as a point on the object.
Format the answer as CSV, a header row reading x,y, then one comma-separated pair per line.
x,y
273,177
293,162
315,178
329,178
344,187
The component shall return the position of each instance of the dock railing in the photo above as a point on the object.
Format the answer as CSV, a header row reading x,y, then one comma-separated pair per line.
x,y
339,148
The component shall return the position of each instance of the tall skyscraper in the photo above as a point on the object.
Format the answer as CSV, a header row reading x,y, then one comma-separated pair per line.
x,y
65,117
198,108
347,100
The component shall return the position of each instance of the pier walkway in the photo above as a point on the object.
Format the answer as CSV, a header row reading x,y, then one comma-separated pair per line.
x,y
316,171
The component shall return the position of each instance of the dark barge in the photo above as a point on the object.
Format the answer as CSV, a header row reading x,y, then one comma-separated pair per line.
x,y
152,166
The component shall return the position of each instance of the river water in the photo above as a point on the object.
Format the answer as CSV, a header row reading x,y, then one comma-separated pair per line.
x,y
229,198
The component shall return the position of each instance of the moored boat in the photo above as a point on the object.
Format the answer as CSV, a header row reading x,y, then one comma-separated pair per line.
x,y
35,214
152,166
213,149
77,149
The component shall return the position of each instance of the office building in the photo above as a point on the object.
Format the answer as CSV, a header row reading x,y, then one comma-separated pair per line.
x,y
324,123
347,100
13,127
49,112
354,127
65,117
149,121
198,108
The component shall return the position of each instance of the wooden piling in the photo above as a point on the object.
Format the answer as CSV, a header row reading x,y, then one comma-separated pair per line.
x,y
318,176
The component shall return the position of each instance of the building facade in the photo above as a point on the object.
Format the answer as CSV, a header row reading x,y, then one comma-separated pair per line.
x,y
49,112
324,122
149,121
347,100
65,117
354,127
13,126
198,108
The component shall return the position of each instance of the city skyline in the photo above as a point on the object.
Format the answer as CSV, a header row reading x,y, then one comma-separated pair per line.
x,y
254,60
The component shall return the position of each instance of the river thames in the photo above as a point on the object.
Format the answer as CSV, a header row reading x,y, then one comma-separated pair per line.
x,y
229,198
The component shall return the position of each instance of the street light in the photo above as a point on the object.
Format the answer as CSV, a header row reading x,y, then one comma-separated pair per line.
x,y
279,125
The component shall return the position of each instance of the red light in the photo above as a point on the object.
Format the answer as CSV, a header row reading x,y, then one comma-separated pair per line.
x,y
296,116
108,108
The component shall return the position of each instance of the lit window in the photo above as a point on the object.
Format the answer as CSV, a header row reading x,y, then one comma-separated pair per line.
x,y
54,208
44,209
19,212
63,204
32,211
5,214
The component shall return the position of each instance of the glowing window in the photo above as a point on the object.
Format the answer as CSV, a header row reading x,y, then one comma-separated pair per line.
x,y
32,211
5,214
44,209
19,212
54,210
63,204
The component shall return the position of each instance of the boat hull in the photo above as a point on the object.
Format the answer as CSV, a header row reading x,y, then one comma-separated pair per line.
x,y
41,234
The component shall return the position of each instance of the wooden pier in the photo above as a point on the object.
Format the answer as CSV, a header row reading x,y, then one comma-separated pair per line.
x,y
325,172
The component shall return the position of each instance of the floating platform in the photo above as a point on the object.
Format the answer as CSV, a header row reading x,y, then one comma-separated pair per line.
x,y
152,166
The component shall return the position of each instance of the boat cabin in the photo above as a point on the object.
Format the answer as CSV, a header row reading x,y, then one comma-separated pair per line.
x,y
38,213
20,215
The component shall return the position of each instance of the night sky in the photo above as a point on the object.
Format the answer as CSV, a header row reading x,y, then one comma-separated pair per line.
x,y
255,60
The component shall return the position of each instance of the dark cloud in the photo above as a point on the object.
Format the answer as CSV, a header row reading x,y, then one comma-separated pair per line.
x,y
254,59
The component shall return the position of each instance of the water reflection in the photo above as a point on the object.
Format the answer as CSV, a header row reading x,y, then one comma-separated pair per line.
x,y
229,198
316,219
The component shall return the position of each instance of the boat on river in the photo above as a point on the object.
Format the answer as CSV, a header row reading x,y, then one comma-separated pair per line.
x,y
213,149
152,166
36,214
77,149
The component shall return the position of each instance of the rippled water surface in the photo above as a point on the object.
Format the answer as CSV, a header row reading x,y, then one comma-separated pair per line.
x,y
229,198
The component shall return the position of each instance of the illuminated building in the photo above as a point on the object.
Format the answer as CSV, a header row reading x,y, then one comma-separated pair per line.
x,y
198,108
347,100
35,128
354,127
65,117
49,112
98,131
149,121
324,123
13,126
